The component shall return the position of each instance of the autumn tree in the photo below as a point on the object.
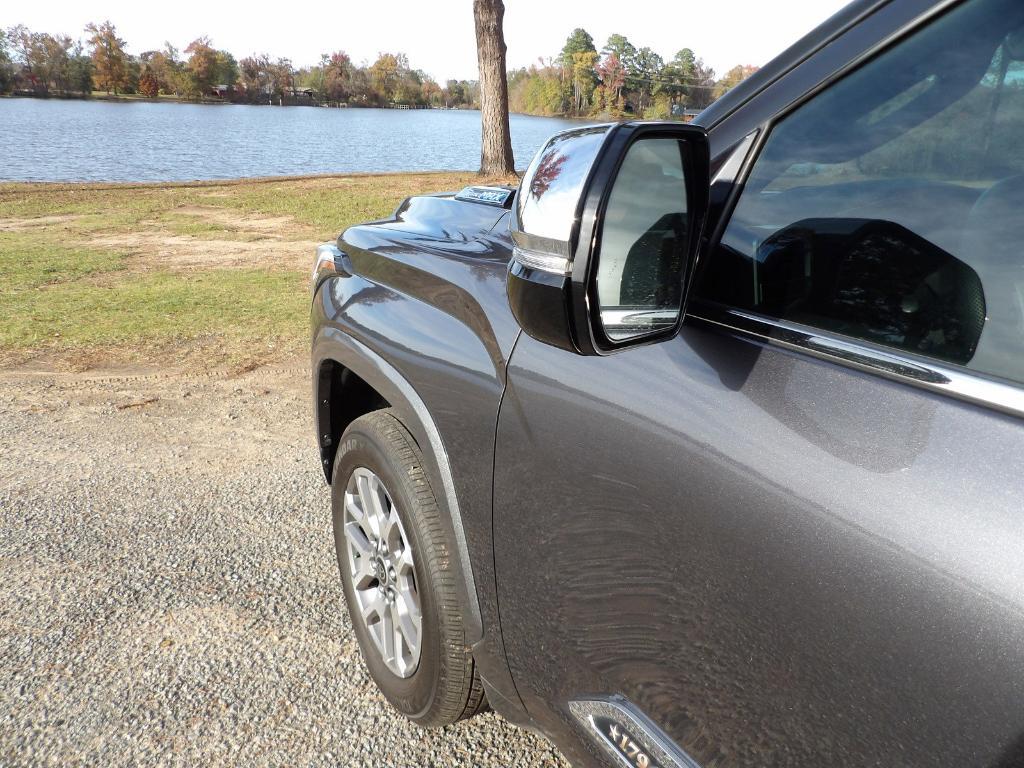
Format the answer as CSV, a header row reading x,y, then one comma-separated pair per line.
x,y
577,42
578,59
584,79
410,86
152,79
37,64
548,170
209,67
56,51
282,77
149,86
624,51
6,64
43,62
337,77
688,80
202,64
732,78
385,73
163,70
37,55
17,41
537,90
24,49
254,74
430,92
701,89
613,78
360,88
455,94
496,141
227,70
110,62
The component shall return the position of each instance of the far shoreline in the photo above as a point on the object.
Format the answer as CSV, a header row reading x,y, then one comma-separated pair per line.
x,y
51,186
135,98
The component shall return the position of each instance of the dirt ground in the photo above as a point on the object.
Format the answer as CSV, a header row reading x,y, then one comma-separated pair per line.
x,y
226,239
168,589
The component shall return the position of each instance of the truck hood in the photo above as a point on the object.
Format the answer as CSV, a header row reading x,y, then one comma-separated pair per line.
x,y
453,216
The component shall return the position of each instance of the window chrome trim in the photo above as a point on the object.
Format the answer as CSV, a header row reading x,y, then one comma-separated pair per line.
x,y
546,262
898,366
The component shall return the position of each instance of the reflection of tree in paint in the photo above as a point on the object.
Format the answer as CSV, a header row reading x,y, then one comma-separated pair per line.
x,y
548,169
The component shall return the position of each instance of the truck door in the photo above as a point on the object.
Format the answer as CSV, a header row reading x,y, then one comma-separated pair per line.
x,y
791,535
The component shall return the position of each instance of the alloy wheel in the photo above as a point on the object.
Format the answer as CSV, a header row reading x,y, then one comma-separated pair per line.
x,y
380,561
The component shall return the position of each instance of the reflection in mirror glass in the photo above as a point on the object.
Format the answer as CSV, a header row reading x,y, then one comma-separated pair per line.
x,y
554,181
642,249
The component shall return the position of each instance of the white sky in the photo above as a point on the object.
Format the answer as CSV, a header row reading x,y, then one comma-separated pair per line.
x,y
438,36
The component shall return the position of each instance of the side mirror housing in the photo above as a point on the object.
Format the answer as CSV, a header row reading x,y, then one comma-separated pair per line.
x,y
605,230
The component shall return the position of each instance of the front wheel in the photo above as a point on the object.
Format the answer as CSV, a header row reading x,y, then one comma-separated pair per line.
x,y
399,575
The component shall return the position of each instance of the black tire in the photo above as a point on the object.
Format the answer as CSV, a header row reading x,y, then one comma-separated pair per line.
x,y
445,686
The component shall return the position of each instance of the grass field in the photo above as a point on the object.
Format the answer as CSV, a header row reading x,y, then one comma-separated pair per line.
x,y
208,274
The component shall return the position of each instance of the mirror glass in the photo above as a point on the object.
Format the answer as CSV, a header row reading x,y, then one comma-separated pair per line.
x,y
641,254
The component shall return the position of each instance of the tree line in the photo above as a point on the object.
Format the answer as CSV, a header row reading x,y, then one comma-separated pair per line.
x,y
618,80
43,64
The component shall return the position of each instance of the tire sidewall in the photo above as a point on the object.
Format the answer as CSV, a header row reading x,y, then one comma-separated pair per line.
x,y
413,696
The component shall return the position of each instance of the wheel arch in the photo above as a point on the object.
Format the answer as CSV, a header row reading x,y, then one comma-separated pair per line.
x,y
350,379
342,396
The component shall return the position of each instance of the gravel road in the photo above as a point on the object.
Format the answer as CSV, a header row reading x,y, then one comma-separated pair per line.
x,y
168,589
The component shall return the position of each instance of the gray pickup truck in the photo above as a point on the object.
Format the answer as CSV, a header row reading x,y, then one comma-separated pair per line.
x,y
703,447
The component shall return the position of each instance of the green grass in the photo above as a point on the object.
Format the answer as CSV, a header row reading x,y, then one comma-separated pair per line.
x,y
62,297
28,261
156,308
119,206
318,207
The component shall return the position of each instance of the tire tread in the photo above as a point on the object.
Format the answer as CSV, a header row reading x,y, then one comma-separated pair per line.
x,y
459,684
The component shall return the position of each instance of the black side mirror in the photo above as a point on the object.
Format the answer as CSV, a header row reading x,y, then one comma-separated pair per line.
x,y
605,227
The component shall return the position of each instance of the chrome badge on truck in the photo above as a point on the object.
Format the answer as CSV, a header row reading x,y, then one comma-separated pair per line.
x,y
628,736
498,196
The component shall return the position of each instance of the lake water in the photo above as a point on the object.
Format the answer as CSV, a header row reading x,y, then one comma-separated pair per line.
x,y
53,140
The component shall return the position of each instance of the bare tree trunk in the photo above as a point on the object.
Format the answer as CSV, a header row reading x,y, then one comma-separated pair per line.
x,y
496,148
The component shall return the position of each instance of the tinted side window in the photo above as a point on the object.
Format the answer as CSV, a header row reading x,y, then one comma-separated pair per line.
x,y
888,207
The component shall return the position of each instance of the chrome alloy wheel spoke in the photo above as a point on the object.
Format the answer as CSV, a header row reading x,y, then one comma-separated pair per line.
x,y
406,614
381,563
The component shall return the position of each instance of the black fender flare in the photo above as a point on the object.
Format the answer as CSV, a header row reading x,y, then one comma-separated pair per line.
x,y
331,344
